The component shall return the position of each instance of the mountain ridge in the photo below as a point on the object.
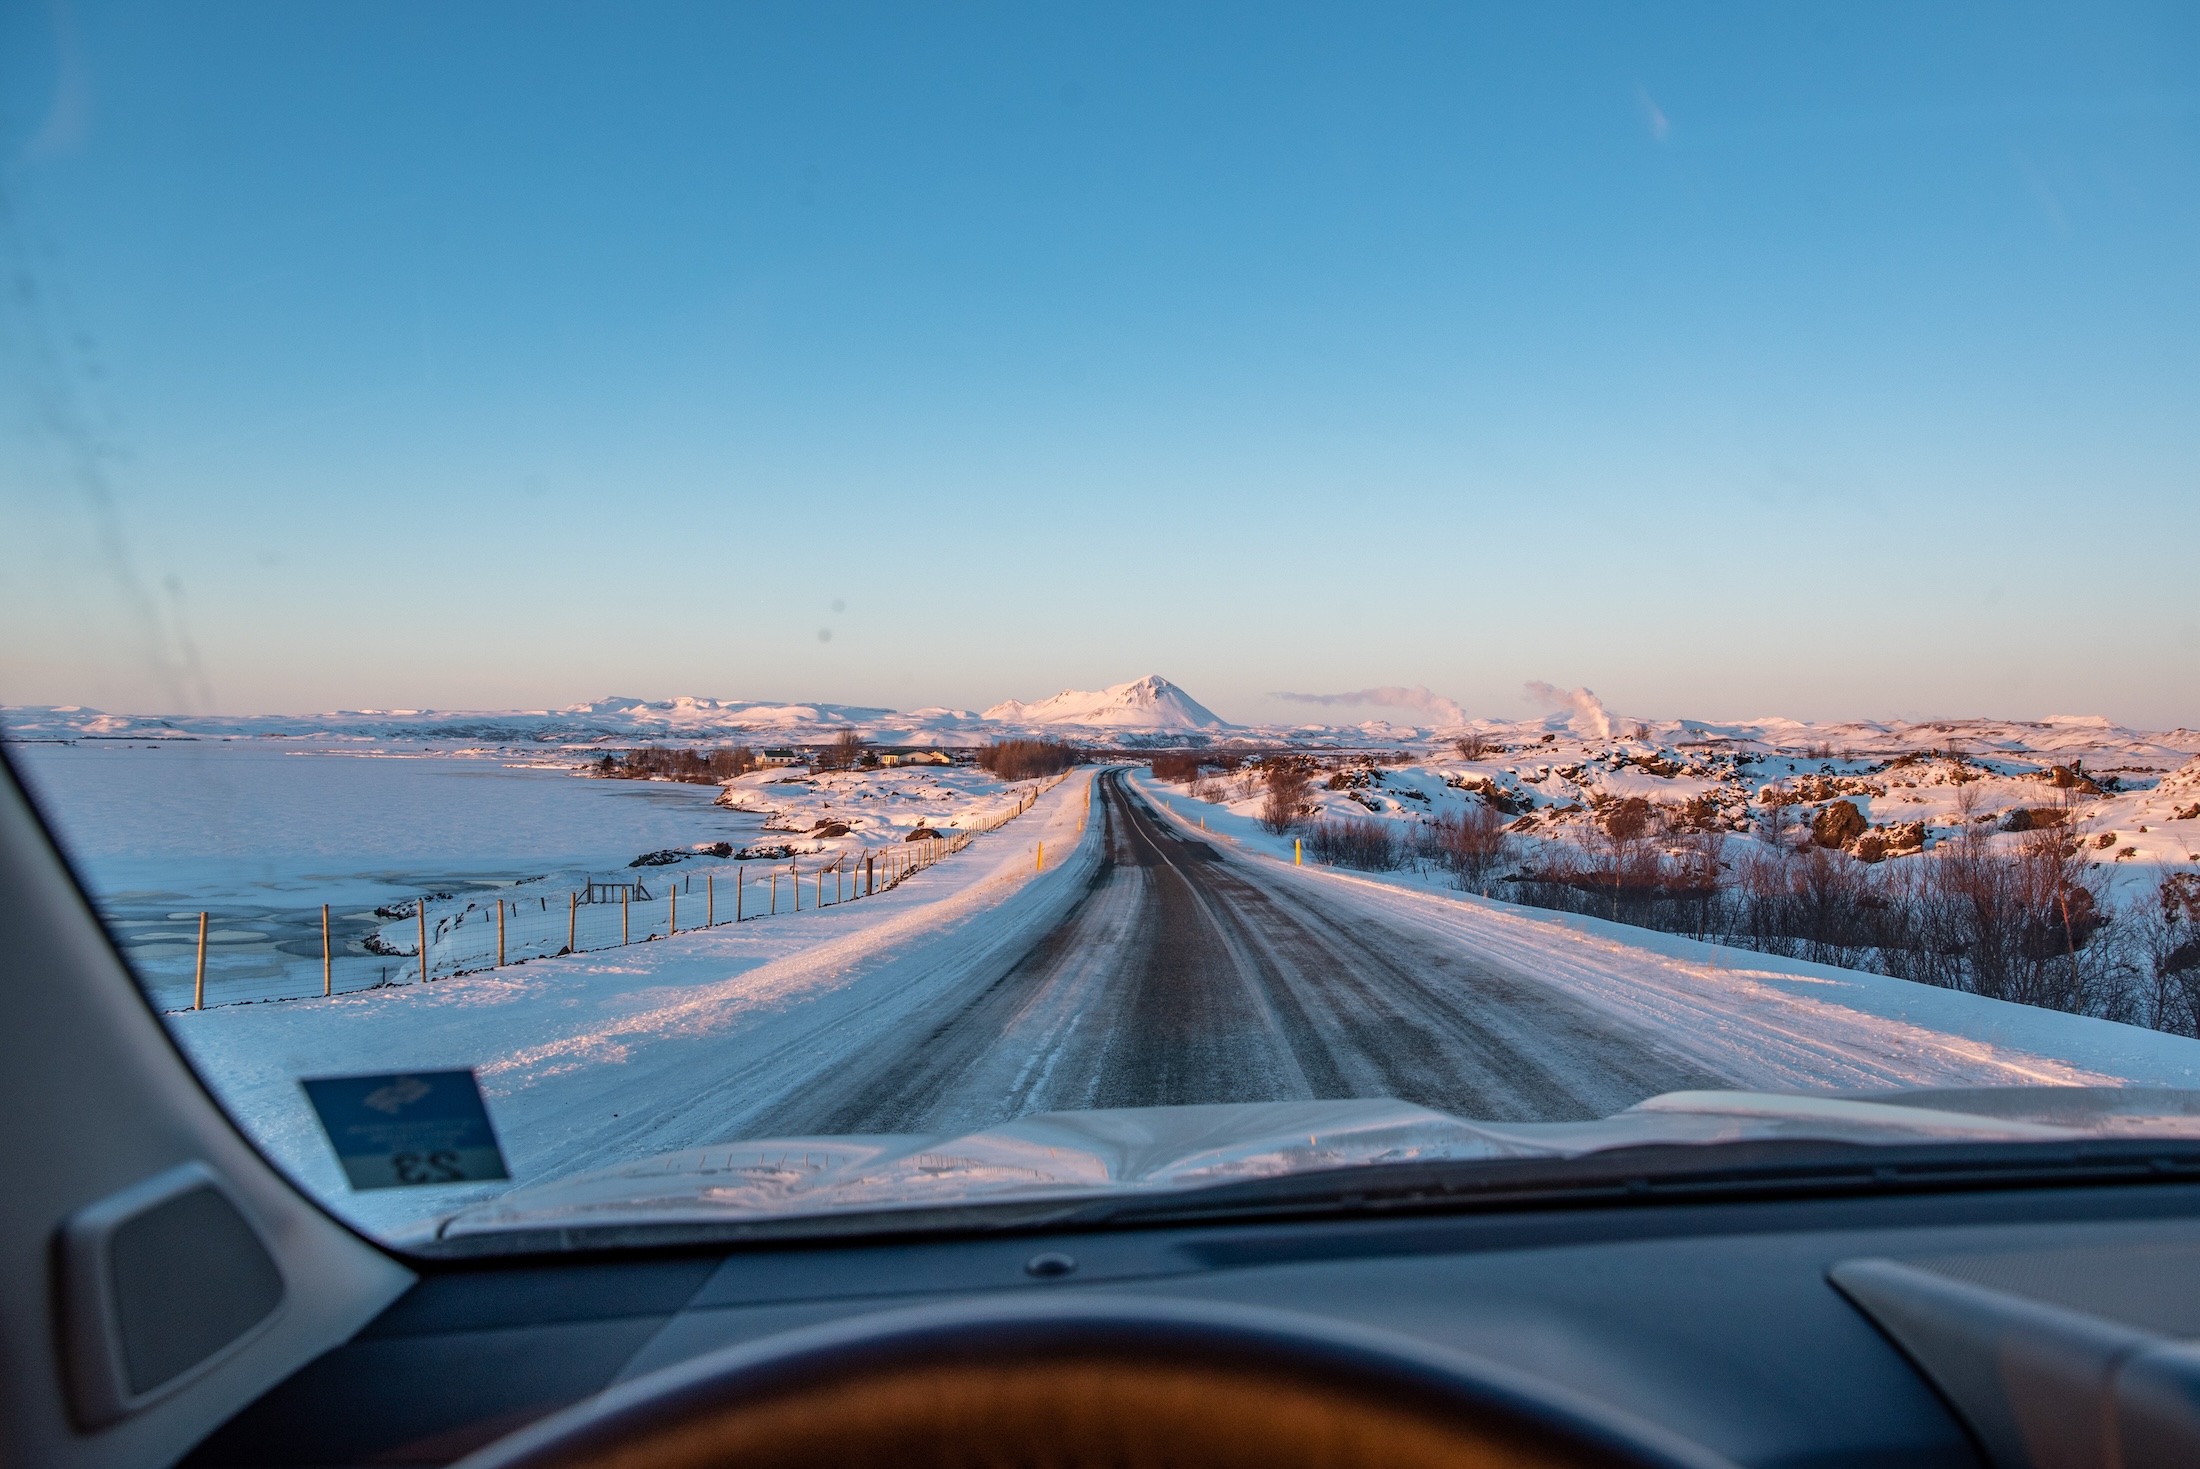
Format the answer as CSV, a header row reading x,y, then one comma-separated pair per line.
x,y
1149,703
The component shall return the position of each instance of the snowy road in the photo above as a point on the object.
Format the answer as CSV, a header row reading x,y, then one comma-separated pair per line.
x,y
1147,964
1184,974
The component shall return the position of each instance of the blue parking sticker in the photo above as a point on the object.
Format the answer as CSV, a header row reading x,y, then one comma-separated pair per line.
x,y
417,1127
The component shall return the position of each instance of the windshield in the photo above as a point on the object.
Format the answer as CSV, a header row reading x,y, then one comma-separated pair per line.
x,y
742,614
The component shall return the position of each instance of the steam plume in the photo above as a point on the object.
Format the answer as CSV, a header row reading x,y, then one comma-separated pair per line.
x,y
1588,714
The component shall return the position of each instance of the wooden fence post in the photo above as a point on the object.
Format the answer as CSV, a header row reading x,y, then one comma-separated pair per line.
x,y
327,979
626,900
500,933
794,870
423,914
710,900
198,986
672,919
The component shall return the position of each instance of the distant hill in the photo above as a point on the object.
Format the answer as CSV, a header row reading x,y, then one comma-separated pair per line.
x,y
1149,703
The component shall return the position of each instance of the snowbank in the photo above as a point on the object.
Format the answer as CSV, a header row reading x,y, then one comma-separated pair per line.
x,y
641,1050
1763,1021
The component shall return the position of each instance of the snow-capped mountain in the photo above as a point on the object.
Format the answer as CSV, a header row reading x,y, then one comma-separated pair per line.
x,y
1151,703
1136,713
1148,713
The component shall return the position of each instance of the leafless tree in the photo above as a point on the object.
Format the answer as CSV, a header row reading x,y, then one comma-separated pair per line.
x,y
1625,838
842,754
1285,802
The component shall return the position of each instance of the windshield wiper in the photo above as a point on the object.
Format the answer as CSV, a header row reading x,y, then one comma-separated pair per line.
x,y
1650,1175
1663,1173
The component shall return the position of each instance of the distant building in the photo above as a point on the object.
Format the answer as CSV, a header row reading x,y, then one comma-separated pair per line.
x,y
915,757
779,757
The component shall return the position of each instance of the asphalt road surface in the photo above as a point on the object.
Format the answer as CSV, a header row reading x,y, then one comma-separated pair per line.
x,y
1184,974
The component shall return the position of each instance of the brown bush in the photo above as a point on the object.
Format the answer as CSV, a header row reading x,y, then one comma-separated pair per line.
x,y
1285,802
1177,767
1028,759
1371,846
1628,820
1471,845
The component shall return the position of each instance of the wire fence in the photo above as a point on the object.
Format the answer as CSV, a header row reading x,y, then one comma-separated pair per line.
x,y
292,955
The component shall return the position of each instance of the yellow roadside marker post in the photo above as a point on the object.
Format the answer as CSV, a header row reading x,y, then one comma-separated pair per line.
x,y
1296,854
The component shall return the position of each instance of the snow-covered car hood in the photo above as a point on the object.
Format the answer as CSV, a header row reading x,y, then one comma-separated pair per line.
x,y
1058,1155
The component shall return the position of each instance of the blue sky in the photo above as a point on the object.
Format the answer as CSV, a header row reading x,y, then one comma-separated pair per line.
x,y
1830,361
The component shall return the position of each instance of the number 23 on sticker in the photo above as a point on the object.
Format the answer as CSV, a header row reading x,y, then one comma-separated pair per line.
x,y
408,1129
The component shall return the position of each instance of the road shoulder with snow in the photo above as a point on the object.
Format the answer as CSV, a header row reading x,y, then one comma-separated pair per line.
x,y
633,1052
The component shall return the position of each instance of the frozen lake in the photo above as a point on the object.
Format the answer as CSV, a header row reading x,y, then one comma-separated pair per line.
x,y
261,833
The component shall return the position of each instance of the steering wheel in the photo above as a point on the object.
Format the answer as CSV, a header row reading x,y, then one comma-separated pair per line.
x,y
1119,1381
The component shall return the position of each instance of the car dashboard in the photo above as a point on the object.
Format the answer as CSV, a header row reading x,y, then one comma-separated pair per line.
x,y
1721,1322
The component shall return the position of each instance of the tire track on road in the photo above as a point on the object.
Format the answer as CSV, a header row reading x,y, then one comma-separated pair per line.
x,y
1184,975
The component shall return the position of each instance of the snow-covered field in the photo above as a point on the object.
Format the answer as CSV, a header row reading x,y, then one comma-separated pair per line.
x,y
639,1050
598,1058
1767,1022
595,1058
854,811
2137,794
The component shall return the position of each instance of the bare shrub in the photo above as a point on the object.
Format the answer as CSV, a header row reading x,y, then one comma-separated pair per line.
x,y
1176,766
2168,935
1695,881
2031,924
1471,845
1630,861
1028,759
1474,745
1367,844
1285,802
